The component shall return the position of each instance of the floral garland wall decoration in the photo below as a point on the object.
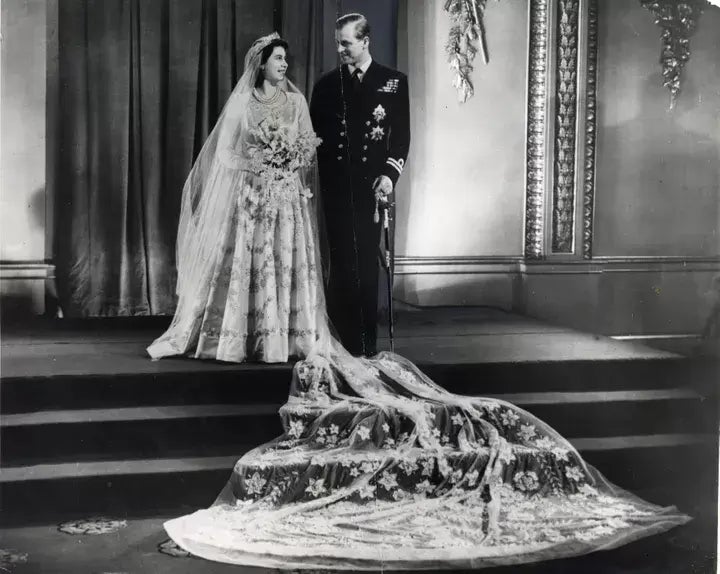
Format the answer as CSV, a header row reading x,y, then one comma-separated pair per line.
x,y
467,38
678,20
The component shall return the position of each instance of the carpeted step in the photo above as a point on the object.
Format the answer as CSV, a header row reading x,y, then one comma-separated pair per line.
x,y
669,464
195,430
187,382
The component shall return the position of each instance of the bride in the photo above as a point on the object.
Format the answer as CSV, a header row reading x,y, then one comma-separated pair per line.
x,y
378,467
248,286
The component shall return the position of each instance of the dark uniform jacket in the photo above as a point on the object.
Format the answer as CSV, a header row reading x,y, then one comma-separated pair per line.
x,y
365,130
378,139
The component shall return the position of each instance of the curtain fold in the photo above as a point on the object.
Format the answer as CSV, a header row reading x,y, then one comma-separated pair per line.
x,y
140,86
304,28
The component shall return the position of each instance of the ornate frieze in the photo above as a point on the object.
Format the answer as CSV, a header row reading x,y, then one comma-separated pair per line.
x,y
536,129
565,126
590,129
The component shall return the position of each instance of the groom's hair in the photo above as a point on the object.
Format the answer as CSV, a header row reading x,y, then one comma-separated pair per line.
x,y
362,28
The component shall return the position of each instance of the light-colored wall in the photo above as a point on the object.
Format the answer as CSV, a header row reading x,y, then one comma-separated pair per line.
x,y
623,297
22,175
463,190
658,170
657,192
657,195
23,202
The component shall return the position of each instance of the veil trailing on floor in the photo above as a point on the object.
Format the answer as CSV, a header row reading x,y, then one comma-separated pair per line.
x,y
378,466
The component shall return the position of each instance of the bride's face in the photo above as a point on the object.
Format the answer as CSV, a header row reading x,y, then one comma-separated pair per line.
x,y
276,66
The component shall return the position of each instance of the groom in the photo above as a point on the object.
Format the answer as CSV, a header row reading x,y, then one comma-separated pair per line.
x,y
361,112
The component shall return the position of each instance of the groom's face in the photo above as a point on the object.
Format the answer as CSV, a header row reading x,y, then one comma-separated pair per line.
x,y
352,50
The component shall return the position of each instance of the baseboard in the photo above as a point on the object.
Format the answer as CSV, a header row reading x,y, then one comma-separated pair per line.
x,y
659,337
510,264
26,270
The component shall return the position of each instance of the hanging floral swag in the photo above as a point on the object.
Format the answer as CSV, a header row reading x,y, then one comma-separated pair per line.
x,y
678,21
467,38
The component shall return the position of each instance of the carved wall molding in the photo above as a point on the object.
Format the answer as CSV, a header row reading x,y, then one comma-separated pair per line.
x,y
535,176
590,129
563,215
678,20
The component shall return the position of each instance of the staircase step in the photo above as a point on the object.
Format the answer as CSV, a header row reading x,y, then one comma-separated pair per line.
x,y
190,430
670,464
186,382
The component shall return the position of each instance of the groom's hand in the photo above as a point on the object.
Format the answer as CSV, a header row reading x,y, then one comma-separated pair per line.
x,y
383,187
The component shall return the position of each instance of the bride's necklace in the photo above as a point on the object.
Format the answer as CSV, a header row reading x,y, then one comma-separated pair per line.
x,y
267,101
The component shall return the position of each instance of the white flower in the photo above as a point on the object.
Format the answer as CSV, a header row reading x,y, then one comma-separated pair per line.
x,y
363,432
296,428
444,439
399,494
367,491
526,481
255,483
436,433
376,134
544,443
506,455
407,466
428,466
561,453
367,467
386,427
316,487
354,471
388,480
458,419
334,429
574,473
472,478
424,486
509,418
379,113
455,476
527,432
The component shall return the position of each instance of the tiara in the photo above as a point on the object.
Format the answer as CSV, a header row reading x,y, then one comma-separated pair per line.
x,y
259,45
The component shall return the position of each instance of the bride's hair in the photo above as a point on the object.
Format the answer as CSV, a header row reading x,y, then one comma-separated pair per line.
x,y
265,55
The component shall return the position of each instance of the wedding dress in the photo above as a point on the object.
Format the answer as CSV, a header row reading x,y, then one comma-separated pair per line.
x,y
246,247
379,467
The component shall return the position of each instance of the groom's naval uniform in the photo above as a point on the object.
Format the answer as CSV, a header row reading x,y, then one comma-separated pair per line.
x,y
363,118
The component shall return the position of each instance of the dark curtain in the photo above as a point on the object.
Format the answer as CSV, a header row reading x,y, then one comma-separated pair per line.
x,y
309,28
140,85
304,29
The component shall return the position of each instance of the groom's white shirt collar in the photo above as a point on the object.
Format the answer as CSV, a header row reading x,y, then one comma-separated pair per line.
x,y
363,68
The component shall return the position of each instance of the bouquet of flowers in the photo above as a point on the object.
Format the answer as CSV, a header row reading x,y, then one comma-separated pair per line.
x,y
276,153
